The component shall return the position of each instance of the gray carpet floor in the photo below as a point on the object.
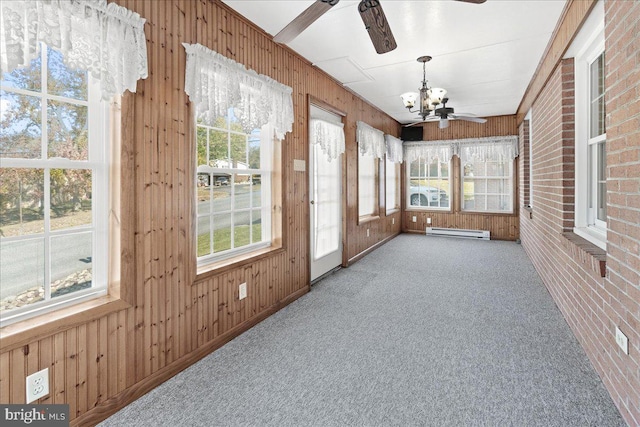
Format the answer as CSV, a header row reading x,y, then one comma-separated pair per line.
x,y
424,331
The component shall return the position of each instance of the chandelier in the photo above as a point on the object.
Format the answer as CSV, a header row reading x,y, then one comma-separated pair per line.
x,y
428,97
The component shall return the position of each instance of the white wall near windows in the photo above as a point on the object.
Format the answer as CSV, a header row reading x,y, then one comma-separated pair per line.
x,y
590,134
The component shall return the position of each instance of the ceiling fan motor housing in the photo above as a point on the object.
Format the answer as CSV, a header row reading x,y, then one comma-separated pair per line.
x,y
444,111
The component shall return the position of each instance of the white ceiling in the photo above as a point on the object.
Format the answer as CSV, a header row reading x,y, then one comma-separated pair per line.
x,y
484,55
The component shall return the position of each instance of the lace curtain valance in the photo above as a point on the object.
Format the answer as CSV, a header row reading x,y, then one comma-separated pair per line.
x,y
106,40
499,148
428,150
394,149
370,140
482,149
329,136
216,83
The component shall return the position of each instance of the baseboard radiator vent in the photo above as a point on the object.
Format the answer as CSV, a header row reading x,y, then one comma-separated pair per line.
x,y
457,232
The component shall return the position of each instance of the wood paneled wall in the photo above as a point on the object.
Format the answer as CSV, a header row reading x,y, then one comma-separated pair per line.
x,y
99,365
501,226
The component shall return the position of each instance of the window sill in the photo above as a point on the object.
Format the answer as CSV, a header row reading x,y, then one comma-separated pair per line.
x,y
392,211
213,269
35,328
594,257
492,213
427,209
367,218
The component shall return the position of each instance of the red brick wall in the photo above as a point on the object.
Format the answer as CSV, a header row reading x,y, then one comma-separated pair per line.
x,y
594,305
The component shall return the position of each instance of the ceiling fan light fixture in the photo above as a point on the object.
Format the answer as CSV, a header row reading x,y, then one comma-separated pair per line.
x,y
437,95
409,99
429,98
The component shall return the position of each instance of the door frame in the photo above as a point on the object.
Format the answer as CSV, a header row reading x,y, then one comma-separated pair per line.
x,y
312,100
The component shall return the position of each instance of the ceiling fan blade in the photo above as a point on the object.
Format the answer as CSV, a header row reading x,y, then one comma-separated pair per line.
x,y
412,124
443,123
470,119
302,21
473,1
377,26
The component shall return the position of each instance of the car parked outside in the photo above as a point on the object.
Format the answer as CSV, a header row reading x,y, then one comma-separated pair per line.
x,y
428,196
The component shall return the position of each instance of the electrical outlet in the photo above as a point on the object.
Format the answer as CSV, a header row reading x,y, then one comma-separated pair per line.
x,y
37,385
428,220
242,290
367,232
414,219
622,341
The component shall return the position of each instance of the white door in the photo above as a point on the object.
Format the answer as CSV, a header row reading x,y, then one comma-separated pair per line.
x,y
325,189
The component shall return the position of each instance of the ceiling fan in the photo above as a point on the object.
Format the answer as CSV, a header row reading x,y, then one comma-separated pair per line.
x,y
444,113
371,13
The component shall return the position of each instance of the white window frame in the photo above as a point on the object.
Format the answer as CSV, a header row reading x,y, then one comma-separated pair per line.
x,y
509,164
422,161
98,163
530,153
586,48
392,186
265,172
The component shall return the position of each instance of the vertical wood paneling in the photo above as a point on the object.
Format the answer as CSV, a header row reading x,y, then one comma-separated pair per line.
x,y
5,387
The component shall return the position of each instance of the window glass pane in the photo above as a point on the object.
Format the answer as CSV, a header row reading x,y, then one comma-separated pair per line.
x,y
414,170
597,97
221,193
254,149
204,191
201,143
222,234
602,182
242,221
20,126
391,187
256,190
68,132
204,236
256,226
239,151
430,187
218,149
21,273
70,198
71,262
63,81
25,77
21,202
366,185
241,191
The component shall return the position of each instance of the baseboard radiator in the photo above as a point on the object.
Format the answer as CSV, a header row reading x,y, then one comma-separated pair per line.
x,y
457,232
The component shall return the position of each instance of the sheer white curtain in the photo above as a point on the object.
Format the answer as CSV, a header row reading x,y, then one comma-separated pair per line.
x,y
394,149
328,143
392,184
370,140
371,146
216,83
428,151
496,148
329,136
107,40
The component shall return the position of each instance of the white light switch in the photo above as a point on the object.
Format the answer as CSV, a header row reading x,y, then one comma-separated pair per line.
x,y
242,291
299,165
